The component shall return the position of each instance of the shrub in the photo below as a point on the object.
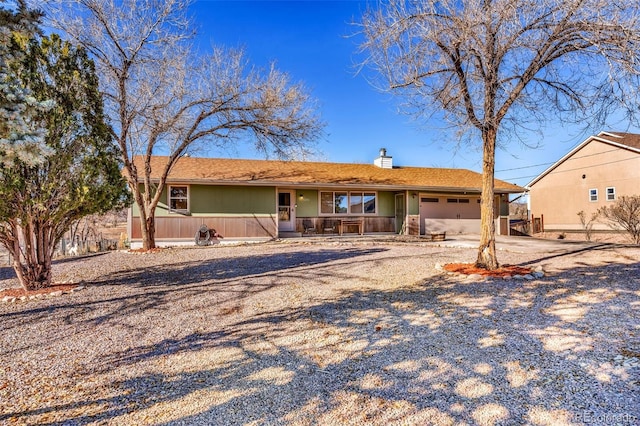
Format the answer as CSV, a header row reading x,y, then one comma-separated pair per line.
x,y
625,214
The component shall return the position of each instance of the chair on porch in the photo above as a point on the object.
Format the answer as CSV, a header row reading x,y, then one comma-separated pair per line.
x,y
308,227
329,226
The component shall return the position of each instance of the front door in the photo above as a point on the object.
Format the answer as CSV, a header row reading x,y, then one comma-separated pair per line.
x,y
400,214
286,211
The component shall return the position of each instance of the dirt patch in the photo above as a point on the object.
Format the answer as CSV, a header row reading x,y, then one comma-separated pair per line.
x,y
471,269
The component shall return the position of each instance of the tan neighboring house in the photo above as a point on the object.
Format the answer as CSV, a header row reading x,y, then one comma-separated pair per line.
x,y
594,174
255,199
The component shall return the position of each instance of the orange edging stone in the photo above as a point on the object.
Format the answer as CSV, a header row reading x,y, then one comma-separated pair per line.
x,y
20,292
471,269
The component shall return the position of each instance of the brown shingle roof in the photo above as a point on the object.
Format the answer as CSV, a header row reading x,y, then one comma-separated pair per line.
x,y
303,173
629,139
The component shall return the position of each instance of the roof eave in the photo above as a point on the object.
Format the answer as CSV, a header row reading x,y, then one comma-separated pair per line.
x,y
332,185
582,144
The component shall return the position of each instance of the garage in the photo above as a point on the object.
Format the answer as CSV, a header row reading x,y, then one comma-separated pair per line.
x,y
454,214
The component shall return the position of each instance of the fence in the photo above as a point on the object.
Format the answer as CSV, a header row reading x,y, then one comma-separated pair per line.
x,y
527,227
71,248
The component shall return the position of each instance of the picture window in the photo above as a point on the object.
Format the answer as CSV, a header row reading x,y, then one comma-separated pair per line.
x,y
348,203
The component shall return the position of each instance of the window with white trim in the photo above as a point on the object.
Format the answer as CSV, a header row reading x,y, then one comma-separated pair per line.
x,y
593,194
179,198
611,193
355,202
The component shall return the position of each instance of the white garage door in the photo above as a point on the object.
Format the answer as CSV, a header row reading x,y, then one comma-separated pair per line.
x,y
450,213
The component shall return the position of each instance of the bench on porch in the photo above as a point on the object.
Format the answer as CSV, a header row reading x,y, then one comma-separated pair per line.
x,y
345,223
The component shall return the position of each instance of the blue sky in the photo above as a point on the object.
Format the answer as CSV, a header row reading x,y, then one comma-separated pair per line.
x,y
314,42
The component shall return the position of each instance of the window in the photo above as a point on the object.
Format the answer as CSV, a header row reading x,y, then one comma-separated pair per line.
x,y
593,194
340,202
429,200
452,200
179,198
347,203
463,200
611,193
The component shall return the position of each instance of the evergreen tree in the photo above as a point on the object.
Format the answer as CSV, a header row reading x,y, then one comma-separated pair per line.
x,y
20,135
75,171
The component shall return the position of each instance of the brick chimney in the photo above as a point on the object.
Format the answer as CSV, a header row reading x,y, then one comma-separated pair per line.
x,y
384,161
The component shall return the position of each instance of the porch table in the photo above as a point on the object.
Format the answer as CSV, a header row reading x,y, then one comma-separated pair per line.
x,y
351,222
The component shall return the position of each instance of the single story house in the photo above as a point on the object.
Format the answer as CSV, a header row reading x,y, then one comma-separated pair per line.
x,y
592,175
255,199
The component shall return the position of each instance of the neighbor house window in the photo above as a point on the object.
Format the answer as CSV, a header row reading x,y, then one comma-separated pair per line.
x,y
347,203
593,194
611,193
179,198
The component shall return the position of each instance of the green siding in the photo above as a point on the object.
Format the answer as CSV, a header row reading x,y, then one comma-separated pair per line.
x,y
161,210
414,204
209,199
206,199
308,204
386,203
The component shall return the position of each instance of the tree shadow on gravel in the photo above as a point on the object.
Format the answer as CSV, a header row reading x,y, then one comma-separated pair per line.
x,y
443,351
159,289
592,247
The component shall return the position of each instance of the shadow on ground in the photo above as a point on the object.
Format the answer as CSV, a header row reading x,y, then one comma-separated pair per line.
x,y
441,351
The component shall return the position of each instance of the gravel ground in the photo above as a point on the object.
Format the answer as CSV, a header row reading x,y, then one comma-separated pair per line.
x,y
326,333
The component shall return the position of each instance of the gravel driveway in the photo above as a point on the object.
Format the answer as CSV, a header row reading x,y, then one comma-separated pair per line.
x,y
328,334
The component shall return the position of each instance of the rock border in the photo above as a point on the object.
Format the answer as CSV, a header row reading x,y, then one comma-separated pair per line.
x,y
537,273
39,296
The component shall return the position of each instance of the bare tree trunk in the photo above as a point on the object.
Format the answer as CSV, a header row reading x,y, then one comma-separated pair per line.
x,y
148,232
31,259
487,258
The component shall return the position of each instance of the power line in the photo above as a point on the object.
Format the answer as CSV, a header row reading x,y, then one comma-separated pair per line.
x,y
553,162
572,170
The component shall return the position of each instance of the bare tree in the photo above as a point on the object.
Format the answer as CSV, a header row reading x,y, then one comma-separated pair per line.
x,y
163,98
494,67
587,224
625,214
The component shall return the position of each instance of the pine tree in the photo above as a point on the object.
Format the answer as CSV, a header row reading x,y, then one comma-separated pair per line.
x,y
59,161
21,137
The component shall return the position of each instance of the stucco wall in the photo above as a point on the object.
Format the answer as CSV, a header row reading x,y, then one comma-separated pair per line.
x,y
564,192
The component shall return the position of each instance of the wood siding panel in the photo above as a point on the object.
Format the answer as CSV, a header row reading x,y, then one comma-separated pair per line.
x,y
185,228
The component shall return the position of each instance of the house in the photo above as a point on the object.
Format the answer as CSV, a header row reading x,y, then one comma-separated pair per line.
x,y
592,175
255,199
